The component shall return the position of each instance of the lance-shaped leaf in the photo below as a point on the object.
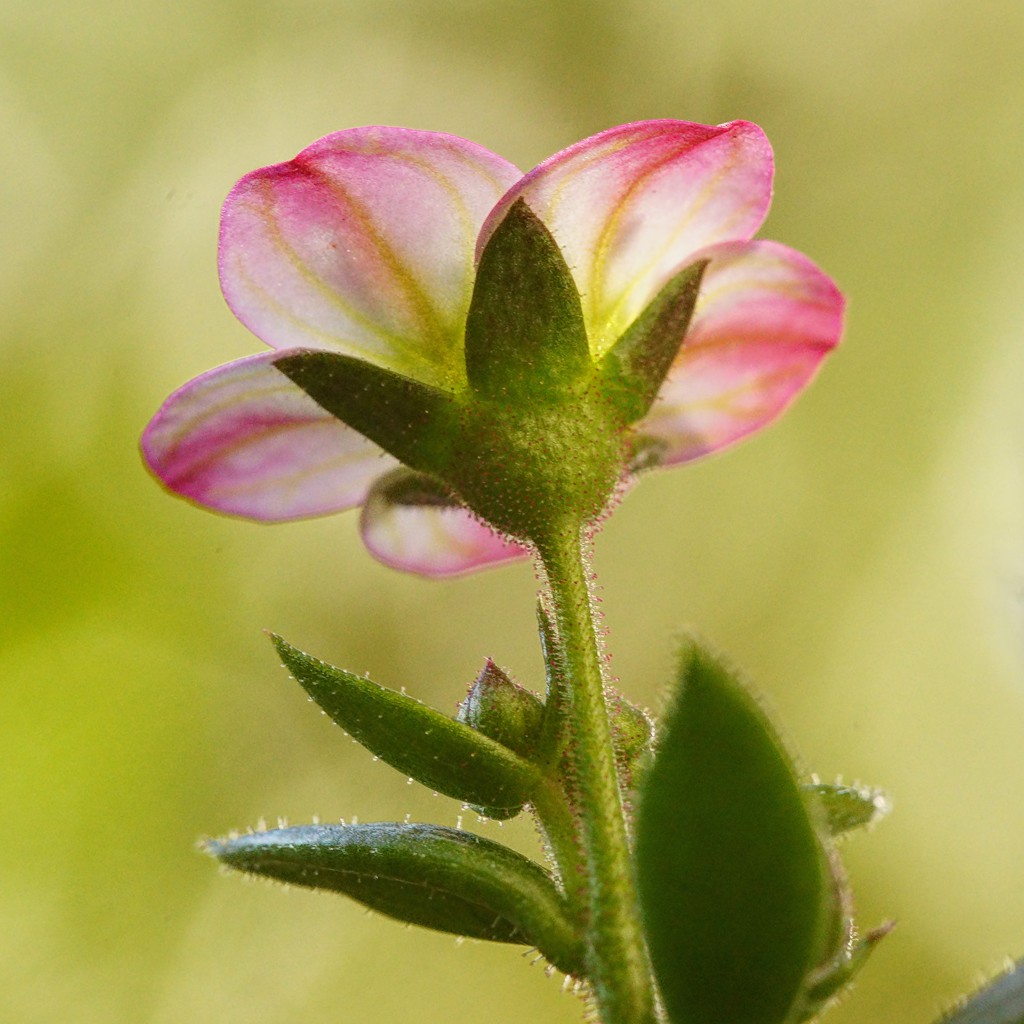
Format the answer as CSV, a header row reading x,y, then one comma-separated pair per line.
x,y
734,883
849,807
1001,1001
636,366
410,420
419,741
428,875
525,337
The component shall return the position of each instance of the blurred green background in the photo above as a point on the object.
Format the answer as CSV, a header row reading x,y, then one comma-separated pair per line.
x,y
863,560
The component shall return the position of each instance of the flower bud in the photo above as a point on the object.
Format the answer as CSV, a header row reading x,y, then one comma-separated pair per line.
x,y
503,711
632,732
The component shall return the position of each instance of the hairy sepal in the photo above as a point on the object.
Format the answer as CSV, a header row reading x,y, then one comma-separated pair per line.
x,y
525,336
636,366
410,420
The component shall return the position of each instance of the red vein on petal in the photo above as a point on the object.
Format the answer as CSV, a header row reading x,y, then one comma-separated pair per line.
x,y
398,344
210,452
605,311
435,331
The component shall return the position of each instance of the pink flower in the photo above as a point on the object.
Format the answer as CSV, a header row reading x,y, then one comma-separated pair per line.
x,y
365,244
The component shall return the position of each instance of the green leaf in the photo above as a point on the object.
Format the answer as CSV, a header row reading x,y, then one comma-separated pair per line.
x,y
437,877
849,807
412,421
734,883
635,367
432,748
1001,1001
525,336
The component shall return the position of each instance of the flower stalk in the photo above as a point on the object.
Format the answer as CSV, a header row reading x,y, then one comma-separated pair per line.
x,y
616,950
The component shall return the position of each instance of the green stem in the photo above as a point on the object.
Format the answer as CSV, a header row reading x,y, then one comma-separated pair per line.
x,y
561,831
618,964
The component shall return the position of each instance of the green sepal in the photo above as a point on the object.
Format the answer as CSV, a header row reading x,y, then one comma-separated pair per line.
x,y
735,885
525,336
412,421
538,443
425,744
849,807
1000,1001
440,878
635,367
503,710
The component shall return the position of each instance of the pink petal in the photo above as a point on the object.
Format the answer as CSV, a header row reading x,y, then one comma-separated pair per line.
x,y
243,439
363,243
432,540
629,206
765,319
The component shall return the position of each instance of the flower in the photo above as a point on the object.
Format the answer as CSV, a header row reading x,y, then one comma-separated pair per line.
x,y
366,243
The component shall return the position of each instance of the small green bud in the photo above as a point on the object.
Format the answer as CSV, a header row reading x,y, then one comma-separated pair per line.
x,y
503,711
632,732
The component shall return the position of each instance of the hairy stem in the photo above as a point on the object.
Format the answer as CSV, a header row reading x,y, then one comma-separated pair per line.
x,y
561,831
618,963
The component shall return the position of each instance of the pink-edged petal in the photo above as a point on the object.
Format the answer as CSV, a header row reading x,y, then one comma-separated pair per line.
x,y
432,540
765,319
244,440
629,206
363,243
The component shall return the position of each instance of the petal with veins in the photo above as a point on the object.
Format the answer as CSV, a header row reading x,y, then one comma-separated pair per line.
x,y
765,319
431,539
629,207
243,439
363,243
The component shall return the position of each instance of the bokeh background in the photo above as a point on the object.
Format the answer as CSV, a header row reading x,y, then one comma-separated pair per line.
x,y
863,560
